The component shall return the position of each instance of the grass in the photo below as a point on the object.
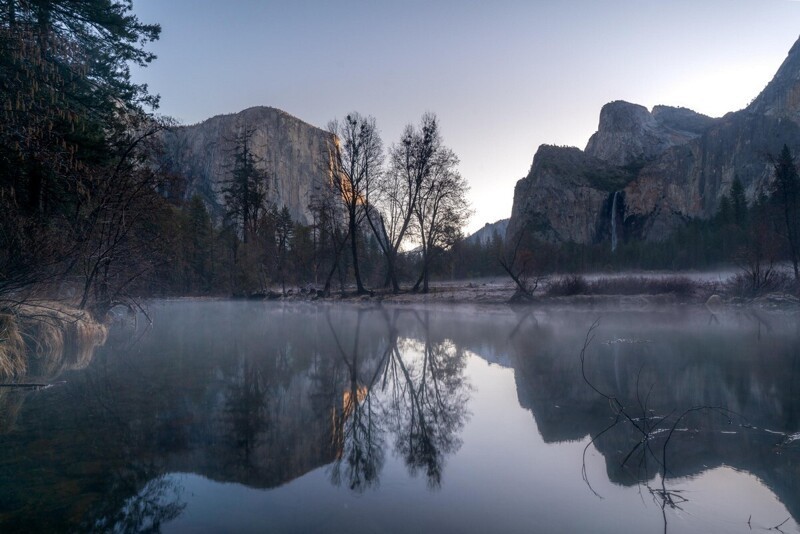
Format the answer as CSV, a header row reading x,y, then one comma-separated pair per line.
x,y
12,348
47,338
625,285
744,285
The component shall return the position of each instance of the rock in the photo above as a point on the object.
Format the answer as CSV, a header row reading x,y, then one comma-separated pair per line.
x,y
485,235
629,134
668,166
293,153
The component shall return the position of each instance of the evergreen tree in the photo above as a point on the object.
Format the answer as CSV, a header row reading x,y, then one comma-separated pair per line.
x,y
245,190
786,195
738,203
284,230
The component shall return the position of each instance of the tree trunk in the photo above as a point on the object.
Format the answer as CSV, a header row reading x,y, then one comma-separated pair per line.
x,y
353,245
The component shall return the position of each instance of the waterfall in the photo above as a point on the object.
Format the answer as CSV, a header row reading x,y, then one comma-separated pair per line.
x,y
614,222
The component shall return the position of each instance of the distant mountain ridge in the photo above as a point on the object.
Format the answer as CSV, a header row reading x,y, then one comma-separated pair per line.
x,y
645,173
294,154
485,235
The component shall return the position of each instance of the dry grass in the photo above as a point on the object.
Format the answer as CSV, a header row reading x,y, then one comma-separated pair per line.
x,y
623,285
12,348
47,339
745,285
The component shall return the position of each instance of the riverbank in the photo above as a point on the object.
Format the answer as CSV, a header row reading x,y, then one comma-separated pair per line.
x,y
44,338
627,291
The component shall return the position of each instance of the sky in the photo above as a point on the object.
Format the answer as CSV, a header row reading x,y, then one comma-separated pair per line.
x,y
503,76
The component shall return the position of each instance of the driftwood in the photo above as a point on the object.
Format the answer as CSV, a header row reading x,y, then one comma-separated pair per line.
x,y
35,386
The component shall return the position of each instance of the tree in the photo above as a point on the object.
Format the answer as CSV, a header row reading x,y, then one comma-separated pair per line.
x,y
245,190
71,144
199,242
398,190
441,211
738,203
786,195
356,158
759,251
331,231
284,232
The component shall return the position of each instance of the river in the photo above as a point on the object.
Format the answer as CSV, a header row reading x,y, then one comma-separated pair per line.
x,y
302,417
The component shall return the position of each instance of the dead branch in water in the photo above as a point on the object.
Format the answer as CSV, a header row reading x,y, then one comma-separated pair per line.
x,y
647,427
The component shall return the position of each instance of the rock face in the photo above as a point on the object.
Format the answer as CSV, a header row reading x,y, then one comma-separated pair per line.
x,y
293,153
664,167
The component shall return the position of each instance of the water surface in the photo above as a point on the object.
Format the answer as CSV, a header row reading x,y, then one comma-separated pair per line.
x,y
266,417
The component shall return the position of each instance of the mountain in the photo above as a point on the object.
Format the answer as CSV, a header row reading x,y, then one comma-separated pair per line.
x,y
484,235
293,153
645,173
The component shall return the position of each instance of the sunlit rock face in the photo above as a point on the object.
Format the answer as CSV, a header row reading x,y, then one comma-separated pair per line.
x,y
293,153
675,165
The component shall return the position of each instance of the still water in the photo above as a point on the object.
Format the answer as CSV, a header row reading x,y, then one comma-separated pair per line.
x,y
265,417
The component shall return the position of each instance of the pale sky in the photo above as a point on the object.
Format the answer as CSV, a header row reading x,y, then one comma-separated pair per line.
x,y
503,76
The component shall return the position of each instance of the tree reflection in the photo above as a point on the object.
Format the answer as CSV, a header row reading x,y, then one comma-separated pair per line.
x,y
416,393
357,430
246,408
158,502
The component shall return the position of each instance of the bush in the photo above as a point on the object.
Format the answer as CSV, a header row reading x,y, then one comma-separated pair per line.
x,y
623,285
567,286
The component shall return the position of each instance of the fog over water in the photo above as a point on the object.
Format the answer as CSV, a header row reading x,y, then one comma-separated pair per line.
x,y
305,417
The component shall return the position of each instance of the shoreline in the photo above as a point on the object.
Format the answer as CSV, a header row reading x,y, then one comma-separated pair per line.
x,y
499,293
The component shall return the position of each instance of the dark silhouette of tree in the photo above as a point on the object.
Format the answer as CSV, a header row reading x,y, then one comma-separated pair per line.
x,y
284,233
398,190
441,211
356,158
786,195
758,255
72,144
199,243
245,189
738,203
332,232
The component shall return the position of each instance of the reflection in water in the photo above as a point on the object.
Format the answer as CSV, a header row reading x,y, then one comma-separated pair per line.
x,y
418,394
686,398
263,395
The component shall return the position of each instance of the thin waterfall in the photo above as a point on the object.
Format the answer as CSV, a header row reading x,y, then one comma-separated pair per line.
x,y
614,222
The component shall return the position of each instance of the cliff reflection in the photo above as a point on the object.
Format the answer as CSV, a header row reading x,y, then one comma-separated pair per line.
x,y
263,394
742,370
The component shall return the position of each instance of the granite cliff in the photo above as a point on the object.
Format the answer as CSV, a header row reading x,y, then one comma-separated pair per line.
x,y
645,173
293,153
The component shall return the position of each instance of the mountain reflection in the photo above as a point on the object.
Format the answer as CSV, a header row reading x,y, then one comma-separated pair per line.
x,y
262,394
744,369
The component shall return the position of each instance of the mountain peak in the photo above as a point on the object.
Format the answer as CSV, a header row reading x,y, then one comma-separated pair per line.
x,y
781,97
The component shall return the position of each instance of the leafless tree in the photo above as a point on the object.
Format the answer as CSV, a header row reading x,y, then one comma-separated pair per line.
x,y
356,160
441,210
518,262
398,190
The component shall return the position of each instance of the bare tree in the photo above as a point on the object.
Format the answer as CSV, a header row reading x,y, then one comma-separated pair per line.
x,y
115,240
356,159
398,190
441,210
